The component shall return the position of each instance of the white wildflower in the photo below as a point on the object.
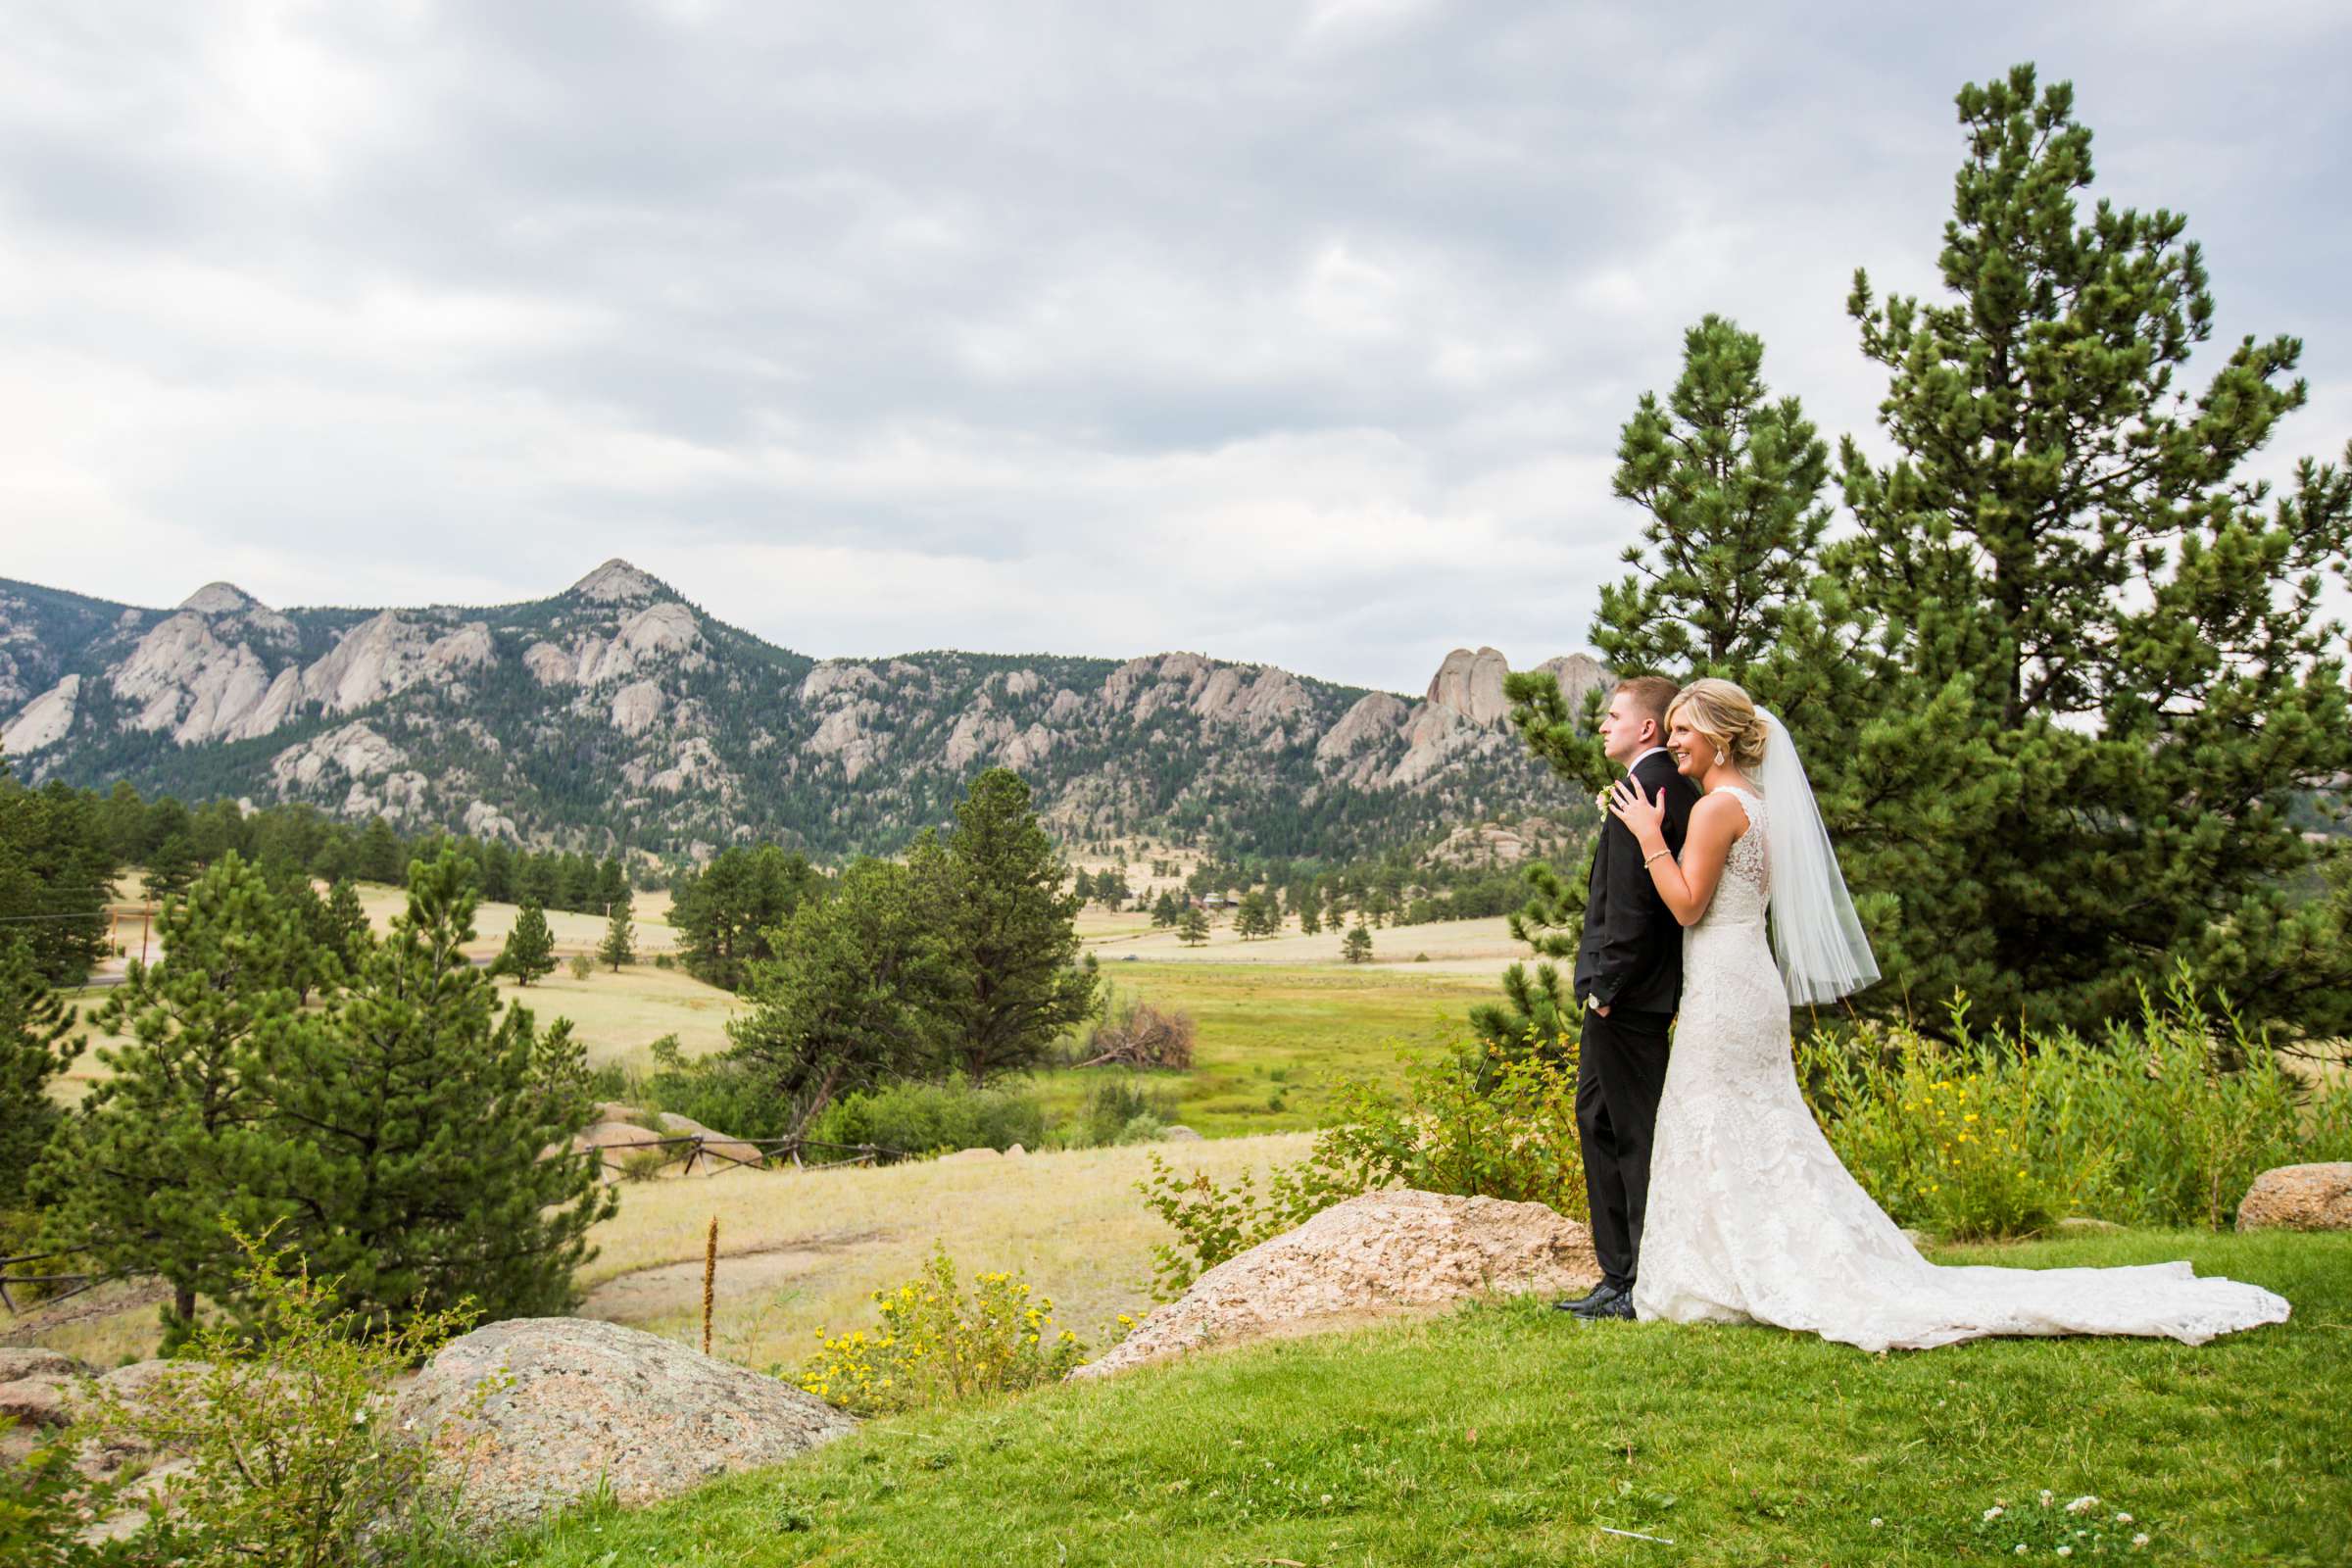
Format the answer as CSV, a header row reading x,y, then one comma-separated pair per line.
x,y
2122,1518
1874,1523
2141,1539
2020,1548
1994,1512
2066,1552
2082,1504
2046,1496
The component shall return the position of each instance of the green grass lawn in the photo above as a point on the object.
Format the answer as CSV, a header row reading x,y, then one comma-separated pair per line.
x,y
1511,1434
1273,1041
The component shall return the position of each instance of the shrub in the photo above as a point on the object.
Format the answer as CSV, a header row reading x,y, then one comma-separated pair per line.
x,y
1474,1121
582,967
292,1460
1114,1105
936,1344
645,1164
1136,1034
663,961
1213,1223
919,1118
715,1091
2165,1122
44,1503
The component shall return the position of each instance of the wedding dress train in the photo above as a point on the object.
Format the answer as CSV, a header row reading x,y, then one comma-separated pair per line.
x,y
1752,1218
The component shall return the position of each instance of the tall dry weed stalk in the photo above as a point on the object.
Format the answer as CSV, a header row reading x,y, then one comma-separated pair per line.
x,y
709,1279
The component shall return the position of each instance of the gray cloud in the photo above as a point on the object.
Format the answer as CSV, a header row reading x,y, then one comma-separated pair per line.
x,y
1290,332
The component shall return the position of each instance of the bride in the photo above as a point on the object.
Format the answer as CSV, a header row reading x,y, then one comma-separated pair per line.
x,y
1752,1218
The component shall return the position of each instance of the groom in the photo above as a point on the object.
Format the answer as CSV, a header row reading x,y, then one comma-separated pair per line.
x,y
1629,977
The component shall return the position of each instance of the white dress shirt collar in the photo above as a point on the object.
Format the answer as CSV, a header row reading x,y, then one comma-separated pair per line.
x,y
1654,751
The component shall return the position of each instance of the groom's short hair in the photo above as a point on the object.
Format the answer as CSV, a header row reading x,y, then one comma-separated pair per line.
x,y
1653,694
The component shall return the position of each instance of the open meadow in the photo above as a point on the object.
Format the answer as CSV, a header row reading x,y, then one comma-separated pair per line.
x,y
1481,947
802,1250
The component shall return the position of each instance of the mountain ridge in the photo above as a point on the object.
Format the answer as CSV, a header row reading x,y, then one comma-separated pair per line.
x,y
617,713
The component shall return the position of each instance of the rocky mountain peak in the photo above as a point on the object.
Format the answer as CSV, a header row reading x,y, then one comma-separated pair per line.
x,y
1471,685
221,599
616,582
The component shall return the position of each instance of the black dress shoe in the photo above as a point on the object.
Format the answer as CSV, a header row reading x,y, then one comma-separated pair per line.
x,y
1602,1294
1617,1308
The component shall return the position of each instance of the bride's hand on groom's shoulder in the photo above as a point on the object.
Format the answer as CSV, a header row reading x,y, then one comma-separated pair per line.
x,y
1630,805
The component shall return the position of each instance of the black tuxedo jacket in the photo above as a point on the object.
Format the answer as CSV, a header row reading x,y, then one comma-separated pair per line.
x,y
1632,957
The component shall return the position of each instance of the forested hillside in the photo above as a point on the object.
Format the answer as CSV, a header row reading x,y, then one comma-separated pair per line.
x,y
617,714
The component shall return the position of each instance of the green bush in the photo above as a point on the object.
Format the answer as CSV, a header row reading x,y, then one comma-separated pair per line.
x,y
2165,1121
44,1503
920,1118
1117,1110
1474,1121
936,1344
715,1091
284,1420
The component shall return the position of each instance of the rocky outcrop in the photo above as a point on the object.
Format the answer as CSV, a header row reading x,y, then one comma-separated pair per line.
x,y
386,654
1579,675
1382,1254
644,637
535,1414
44,721
192,682
1471,685
636,705
2299,1198
355,750
1375,718
616,582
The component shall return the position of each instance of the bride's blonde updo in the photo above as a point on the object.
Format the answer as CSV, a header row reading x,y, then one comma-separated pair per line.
x,y
1725,715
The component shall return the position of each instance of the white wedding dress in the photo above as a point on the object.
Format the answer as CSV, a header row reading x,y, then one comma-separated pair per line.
x,y
1753,1219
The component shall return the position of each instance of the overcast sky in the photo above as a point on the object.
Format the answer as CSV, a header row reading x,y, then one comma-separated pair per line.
x,y
1295,332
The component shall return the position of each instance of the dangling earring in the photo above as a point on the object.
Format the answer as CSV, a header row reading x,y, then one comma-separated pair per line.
x,y
1718,755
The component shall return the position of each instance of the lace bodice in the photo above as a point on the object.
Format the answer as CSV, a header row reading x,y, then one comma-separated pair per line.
x,y
1746,885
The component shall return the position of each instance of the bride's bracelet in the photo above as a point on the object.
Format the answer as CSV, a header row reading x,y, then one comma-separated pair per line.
x,y
1653,855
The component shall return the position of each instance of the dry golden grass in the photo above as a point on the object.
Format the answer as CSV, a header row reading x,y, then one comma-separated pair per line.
x,y
615,1016
800,1251
573,933
1452,946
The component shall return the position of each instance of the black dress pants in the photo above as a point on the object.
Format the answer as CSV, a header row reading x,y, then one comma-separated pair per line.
x,y
1620,1073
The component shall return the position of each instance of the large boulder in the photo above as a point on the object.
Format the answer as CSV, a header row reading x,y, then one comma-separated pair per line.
x,y
531,1416
616,1142
1382,1254
2299,1198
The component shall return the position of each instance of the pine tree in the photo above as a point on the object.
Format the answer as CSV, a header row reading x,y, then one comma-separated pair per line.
x,y
1255,918
1164,912
2124,628
619,945
37,1046
611,885
530,951
170,867
168,1150
1310,922
379,854
855,996
1007,931
1193,928
410,1116
348,932
1357,947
